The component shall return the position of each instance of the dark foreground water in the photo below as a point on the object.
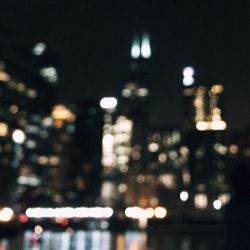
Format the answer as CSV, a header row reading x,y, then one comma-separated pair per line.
x,y
105,240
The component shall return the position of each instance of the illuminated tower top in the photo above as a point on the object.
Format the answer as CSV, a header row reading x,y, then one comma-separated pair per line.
x,y
136,86
141,46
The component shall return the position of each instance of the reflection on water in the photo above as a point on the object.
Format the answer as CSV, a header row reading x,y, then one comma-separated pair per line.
x,y
105,240
82,240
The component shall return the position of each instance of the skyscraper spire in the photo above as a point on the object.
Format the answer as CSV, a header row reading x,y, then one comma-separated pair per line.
x,y
135,49
145,46
141,46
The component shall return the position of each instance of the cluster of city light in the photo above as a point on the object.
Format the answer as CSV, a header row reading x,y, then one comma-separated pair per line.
x,y
141,48
199,104
18,86
188,76
30,180
222,200
6,214
211,120
168,180
131,89
70,212
108,190
211,125
149,213
108,155
49,73
122,136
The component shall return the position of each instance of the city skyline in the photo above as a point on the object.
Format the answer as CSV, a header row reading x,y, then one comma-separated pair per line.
x,y
93,42
125,124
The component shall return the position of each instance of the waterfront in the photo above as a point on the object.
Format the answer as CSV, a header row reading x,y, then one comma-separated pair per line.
x,y
105,240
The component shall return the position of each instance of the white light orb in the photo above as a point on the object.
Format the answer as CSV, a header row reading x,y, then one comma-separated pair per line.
x,y
160,212
39,49
135,50
150,212
217,204
126,92
49,73
108,103
188,81
184,195
188,71
142,92
6,214
18,136
145,46
38,229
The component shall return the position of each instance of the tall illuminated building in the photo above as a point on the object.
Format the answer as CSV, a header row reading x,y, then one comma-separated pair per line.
x,y
204,128
135,107
116,149
27,95
135,93
125,128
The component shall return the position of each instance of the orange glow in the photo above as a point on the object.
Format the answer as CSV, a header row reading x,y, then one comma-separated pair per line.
x,y
120,242
4,129
233,149
60,114
4,77
217,89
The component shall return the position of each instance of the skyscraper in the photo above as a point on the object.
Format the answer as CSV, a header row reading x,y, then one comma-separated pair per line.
x,y
135,93
125,132
135,106
204,134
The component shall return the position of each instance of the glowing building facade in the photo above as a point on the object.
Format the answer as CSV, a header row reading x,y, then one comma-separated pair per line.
x,y
125,131
31,152
168,163
135,105
16,98
204,128
203,110
116,151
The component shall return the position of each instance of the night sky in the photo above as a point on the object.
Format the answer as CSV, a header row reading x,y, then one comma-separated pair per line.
x,y
93,40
